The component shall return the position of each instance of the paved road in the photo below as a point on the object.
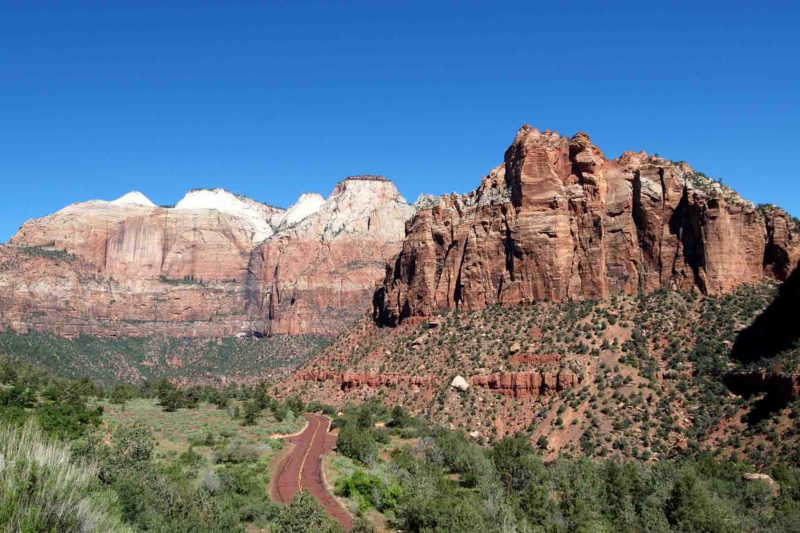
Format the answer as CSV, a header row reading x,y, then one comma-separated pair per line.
x,y
302,468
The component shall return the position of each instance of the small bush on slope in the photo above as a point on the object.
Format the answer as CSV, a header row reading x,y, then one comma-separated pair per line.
x,y
43,489
304,515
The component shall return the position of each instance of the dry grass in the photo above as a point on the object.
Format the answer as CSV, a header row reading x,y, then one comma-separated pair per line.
x,y
177,431
43,489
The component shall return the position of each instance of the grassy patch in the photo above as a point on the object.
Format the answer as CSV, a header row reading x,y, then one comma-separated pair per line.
x,y
203,429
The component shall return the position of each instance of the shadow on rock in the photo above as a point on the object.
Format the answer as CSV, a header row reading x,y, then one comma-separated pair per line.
x,y
776,329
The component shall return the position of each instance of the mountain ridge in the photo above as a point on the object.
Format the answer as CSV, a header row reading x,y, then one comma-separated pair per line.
x,y
138,269
557,220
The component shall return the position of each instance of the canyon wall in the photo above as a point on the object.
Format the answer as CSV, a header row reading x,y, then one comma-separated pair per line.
x,y
319,275
216,264
559,221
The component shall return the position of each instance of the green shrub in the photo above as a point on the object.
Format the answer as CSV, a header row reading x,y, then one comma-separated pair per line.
x,y
304,515
370,492
43,489
357,444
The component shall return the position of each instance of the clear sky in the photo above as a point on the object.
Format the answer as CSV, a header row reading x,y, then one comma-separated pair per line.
x,y
272,99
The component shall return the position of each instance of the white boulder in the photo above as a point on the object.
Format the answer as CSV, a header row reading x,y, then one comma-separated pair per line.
x,y
459,383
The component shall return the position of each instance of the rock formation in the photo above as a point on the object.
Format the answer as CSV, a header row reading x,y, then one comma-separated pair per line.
x,y
459,383
45,289
319,274
215,264
556,221
532,383
207,236
559,221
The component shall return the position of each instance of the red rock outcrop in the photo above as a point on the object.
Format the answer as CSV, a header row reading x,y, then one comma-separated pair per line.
x,y
138,241
320,274
558,220
519,384
45,290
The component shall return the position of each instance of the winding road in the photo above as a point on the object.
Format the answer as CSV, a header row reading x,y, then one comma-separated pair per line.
x,y
302,468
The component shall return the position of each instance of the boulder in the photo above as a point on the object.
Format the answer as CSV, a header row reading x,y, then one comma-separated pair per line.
x,y
459,383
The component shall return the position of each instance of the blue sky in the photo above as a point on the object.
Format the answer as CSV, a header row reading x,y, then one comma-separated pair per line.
x,y
279,98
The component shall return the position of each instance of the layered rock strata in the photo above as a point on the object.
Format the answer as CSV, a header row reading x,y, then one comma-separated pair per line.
x,y
558,220
215,264
320,274
533,383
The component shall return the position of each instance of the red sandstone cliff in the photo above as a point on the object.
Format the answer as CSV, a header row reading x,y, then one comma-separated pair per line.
x,y
558,220
532,383
319,275
216,264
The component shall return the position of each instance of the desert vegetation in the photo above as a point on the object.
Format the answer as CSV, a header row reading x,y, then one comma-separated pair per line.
x,y
420,478
651,371
138,359
77,457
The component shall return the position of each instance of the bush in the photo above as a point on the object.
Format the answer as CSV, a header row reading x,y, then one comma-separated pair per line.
x,y
357,444
304,515
369,491
251,411
43,489
240,452
172,398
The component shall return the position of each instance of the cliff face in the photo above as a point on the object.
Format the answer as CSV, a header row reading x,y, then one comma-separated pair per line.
x,y
208,241
215,264
559,221
319,275
54,291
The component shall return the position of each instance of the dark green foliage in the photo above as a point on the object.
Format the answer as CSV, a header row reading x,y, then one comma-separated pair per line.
x,y
357,443
358,437
49,252
325,409
304,515
121,393
58,405
448,483
251,411
136,359
456,454
68,419
186,280
172,398
370,492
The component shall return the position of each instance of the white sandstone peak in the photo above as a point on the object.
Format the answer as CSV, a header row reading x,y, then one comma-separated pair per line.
x,y
133,198
253,212
361,205
305,206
